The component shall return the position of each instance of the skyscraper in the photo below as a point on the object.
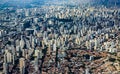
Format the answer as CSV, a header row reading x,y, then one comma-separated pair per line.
x,y
22,65
5,67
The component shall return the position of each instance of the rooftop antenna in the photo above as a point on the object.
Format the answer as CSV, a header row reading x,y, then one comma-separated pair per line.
x,y
115,2
63,2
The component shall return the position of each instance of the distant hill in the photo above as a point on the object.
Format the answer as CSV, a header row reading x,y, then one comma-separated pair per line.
x,y
106,2
20,3
32,3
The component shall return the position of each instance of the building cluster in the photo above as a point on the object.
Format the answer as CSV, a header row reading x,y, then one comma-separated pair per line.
x,y
60,40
